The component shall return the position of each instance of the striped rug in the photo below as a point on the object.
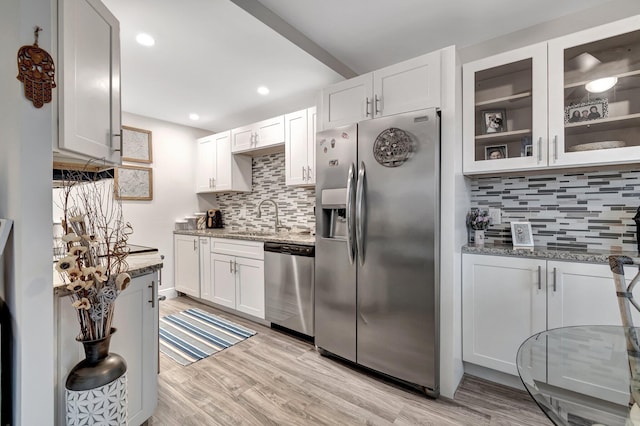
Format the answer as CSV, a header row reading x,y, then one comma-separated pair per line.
x,y
192,335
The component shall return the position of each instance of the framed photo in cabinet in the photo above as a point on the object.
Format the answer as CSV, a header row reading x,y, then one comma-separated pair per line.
x,y
136,145
586,111
495,152
494,121
133,183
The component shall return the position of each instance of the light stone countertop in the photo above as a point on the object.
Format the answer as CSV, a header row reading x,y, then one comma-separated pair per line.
x,y
566,254
139,264
281,237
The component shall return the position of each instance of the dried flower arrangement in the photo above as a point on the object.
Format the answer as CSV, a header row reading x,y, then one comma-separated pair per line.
x,y
95,241
478,219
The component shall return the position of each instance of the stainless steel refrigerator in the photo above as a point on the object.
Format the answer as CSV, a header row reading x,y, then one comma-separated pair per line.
x,y
377,245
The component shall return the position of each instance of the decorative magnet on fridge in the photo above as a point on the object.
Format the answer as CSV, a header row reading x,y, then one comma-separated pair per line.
x,y
36,71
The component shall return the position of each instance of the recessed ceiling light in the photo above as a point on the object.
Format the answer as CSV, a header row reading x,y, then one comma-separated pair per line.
x,y
601,85
194,117
263,90
145,39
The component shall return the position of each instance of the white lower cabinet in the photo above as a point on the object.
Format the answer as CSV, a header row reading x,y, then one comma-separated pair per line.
x,y
223,280
504,302
237,276
250,286
187,264
136,340
507,299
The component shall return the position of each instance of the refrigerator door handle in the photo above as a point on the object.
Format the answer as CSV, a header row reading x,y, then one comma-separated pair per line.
x,y
360,213
350,214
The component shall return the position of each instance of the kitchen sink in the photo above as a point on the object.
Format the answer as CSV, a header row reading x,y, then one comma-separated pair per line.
x,y
252,233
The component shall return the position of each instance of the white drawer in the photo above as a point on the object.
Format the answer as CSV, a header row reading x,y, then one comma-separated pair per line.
x,y
242,248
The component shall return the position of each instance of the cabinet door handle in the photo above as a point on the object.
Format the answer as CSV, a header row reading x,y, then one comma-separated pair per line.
x,y
255,140
555,147
366,107
377,104
235,267
213,182
153,294
118,135
555,279
195,245
308,173
539,149
303,173
539,277
230,266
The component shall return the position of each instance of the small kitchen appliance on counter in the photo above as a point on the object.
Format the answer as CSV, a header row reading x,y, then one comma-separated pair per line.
x,y
214,219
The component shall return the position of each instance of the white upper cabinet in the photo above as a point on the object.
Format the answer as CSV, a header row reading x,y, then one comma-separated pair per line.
x,y
593,126
217,170
205,164
266,134
505,111
347,102
89,81
406,86
300,147
535,107
312,129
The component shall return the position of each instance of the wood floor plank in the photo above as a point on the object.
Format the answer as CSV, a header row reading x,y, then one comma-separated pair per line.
x,y
276,379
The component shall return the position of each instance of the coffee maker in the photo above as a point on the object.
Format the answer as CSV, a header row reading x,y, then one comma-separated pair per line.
x,y
214,219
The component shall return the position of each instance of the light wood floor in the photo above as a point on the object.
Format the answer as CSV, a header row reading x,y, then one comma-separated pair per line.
x,y
275,379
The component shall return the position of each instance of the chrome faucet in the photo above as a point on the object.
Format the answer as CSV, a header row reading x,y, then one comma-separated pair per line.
x,y
277,224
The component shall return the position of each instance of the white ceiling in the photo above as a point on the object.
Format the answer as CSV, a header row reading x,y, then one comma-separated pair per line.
x,y
211,55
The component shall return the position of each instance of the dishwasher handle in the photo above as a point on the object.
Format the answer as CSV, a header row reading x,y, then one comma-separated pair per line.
x,y
291,249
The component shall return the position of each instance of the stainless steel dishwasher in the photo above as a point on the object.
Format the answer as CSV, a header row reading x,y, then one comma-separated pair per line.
x,y
289,282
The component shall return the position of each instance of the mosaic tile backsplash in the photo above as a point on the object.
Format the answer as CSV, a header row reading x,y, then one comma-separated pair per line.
x,y
295,205
592,210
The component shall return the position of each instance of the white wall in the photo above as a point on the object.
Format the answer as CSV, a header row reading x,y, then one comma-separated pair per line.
x,y
607,12
174,182
25,197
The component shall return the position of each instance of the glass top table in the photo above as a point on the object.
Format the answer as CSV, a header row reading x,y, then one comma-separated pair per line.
x,y
581,375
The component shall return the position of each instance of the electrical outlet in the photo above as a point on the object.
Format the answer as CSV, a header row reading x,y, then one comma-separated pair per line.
x,y
243,212
495,215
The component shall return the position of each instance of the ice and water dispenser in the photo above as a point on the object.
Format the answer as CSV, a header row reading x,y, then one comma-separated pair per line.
x,y
334,213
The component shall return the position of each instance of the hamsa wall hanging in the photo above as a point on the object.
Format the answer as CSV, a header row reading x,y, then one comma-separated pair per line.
x,y
36,71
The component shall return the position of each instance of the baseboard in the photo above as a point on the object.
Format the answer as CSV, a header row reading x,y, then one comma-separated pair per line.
x,y
231,311
169,293
493,376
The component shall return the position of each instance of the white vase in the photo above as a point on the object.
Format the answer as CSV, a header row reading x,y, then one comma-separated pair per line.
x,y
479,237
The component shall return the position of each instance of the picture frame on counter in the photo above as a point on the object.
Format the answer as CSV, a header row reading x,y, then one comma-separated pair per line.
x,y
522,235
133,183
136,145
586,111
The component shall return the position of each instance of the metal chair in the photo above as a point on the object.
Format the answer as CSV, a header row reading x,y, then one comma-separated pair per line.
x,y
625,302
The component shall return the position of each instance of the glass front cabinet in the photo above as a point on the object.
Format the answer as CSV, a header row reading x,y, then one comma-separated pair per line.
x,y
573,101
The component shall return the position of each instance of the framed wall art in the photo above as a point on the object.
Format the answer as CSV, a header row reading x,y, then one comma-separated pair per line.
x,y
136,145
133,183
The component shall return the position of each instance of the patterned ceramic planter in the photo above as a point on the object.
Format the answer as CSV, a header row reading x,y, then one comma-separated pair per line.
x,y
96,387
